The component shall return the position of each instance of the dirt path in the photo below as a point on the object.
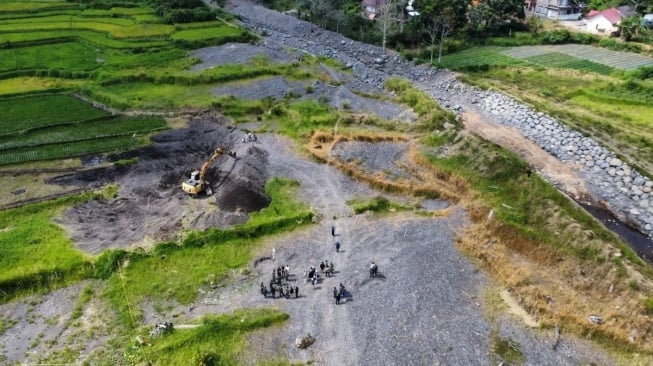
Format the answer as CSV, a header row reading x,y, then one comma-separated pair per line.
x,y
565,176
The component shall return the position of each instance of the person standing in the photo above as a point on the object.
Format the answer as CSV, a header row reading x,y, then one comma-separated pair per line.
x,y
337,247
296,292
333,230
338,298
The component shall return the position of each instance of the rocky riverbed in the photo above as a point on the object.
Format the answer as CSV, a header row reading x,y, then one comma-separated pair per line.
x,y
612,182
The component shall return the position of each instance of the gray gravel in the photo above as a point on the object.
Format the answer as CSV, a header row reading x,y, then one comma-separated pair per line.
x,y
237,53
374,157
275,87
631,202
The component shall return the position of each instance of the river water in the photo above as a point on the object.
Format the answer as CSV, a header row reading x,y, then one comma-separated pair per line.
x,y
639,242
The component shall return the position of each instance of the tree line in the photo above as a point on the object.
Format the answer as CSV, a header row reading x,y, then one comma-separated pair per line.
x,y
405,24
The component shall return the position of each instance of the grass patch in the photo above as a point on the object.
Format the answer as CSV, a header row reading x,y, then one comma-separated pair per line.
x,y
71,149
23,6
81,131
25,39
299,119
27,85
175,272
376,204
522,202
431,115
219,340
35,253
220,34
68,55
112,26
508,350
86,296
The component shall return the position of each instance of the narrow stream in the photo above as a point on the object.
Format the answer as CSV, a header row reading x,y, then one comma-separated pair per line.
x,y
639,242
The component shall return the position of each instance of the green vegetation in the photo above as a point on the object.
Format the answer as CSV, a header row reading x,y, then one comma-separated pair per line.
x,y
35,253
376,204
508,351
23,114
483,58
432,115
479,59
610,107
218,340
561,61
84,298
174,272
46,127
524,202
69,55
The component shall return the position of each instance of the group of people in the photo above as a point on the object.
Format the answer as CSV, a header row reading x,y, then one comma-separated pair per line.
x,y
249,137
340,294
280,274
287,291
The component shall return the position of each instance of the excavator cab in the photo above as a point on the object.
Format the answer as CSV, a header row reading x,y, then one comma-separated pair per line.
x,y
194,176
197,184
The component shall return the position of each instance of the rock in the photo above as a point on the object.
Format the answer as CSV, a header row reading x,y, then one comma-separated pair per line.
x,y
615,162
596,319
304,342
638,181
632,337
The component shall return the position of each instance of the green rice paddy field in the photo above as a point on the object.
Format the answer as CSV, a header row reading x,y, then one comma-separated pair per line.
x,y
51,51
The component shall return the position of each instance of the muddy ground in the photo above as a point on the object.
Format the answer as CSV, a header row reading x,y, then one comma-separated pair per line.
x,y
151,207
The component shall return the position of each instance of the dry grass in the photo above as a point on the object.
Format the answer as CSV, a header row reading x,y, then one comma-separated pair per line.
x,y
551,285
423,182
558,288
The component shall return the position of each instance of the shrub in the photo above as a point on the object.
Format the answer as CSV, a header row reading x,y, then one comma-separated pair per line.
x,y
108,262
648,305
556,36
583,38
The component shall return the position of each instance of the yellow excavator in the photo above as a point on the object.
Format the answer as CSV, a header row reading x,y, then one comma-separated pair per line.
x,y
197,184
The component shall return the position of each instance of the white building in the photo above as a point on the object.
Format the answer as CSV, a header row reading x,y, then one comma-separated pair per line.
x,y
604,22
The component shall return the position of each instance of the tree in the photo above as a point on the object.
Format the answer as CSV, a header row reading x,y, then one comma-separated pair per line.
x,y
630,28
641,5
440,18
438,28
491,14
387,12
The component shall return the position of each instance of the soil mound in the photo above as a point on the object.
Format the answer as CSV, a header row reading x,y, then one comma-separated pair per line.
x,y
151,206
246,190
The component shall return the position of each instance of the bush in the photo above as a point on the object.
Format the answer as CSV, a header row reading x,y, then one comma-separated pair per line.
x,y
555,37
108,262
648,305
641,73
583,38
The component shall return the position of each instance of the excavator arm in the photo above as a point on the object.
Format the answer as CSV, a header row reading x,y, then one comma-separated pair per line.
x,y
195,187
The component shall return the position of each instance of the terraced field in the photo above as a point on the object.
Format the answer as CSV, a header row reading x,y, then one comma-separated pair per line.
x,y
43,127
